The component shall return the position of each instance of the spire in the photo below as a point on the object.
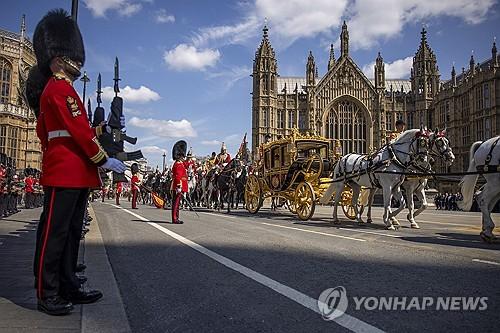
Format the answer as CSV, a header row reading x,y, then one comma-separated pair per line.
x,y
310,70
453,75
379,72
23,26
472,63
264,31
344,41
331,61
423,39
494,52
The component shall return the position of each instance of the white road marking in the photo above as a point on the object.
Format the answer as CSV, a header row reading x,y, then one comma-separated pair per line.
x,y
220,215
314,232
347,321
487,262
371,232
446,223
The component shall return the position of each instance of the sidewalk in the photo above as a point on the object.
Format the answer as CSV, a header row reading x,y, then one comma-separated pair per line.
x,y
18,311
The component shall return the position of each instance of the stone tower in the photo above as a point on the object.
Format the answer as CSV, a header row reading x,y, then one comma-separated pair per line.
x,y
379,72
311,75
264,93
424,82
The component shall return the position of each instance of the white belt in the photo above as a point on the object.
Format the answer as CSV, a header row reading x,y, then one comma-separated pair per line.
x,y
58,134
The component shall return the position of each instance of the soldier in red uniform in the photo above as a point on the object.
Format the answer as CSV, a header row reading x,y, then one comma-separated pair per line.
x,y
223,157
134,184
118,192
29,189
179,178
71,157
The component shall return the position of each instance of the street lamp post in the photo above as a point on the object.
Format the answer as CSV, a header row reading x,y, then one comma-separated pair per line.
x,y
164,155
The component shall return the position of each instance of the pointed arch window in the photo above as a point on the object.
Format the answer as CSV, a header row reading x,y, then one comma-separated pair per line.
x,y
5,80
346,123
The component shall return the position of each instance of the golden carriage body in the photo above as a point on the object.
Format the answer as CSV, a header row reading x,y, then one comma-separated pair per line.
x,y
296,169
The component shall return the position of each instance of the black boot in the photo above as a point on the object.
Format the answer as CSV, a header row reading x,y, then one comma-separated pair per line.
x,y
55,306
80,268
81,296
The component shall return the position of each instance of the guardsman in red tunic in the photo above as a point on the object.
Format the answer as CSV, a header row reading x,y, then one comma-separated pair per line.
x,y
134,184
118,192
29,183
71,157
179,178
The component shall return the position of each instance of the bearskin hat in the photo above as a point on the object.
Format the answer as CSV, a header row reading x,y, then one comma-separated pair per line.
x,y
57,35
179,149
134,168
98,116
34,87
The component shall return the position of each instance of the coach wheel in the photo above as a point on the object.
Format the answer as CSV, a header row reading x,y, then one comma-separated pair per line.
x,y
291,206
253,194
305,201
349,211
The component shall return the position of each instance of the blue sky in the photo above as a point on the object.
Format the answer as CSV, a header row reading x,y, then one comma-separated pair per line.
x,y
185,65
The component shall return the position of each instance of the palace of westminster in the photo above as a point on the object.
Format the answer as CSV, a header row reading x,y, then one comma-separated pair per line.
x,y
345,105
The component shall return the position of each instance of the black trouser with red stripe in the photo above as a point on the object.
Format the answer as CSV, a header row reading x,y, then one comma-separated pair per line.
x,y
134,198
58,241
176,201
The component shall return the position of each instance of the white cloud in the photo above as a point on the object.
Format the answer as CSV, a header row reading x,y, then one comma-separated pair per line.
x,y
123,7
382,19
152,150
188,57
162,16
211,143
230,76
140,95
165,128
369,21
398,69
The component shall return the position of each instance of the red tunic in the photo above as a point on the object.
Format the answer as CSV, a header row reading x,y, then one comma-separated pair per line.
x,y
68,161
133,182
28,184
190,163
179,176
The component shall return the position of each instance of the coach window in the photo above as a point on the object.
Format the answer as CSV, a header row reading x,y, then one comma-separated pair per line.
x,y
276,157
5,78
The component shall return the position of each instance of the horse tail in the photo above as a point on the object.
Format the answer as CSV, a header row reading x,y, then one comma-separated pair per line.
x,y
468,182
325,198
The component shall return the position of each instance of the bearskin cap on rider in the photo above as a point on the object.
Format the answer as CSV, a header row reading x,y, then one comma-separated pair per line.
x,y
58,35
179,150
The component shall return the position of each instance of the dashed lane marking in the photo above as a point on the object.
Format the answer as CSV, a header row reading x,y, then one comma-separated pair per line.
x,y
314,232
371,232
351,323
486,262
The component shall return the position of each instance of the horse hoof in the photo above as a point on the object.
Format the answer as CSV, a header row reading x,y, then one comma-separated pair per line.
x,y
414,225
360,221
390,227
369,221
488,238
336,221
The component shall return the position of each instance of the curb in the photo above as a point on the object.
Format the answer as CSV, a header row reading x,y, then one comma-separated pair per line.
x,y
108,314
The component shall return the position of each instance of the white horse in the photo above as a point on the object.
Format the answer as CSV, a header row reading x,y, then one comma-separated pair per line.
x,y
356,171
439,146
483,155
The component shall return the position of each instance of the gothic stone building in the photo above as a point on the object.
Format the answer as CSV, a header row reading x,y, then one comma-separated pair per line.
x,y
18,138
345,105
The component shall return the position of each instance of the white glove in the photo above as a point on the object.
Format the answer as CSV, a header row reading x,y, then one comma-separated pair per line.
x,y
114,165
122,121
178,190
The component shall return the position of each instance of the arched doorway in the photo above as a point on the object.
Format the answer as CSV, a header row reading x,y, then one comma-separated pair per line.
x,y
346,122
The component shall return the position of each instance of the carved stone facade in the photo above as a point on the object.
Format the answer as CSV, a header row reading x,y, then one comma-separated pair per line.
x,y
18,138
345,105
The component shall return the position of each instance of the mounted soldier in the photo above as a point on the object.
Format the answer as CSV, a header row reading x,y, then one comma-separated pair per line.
x,y
223,157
